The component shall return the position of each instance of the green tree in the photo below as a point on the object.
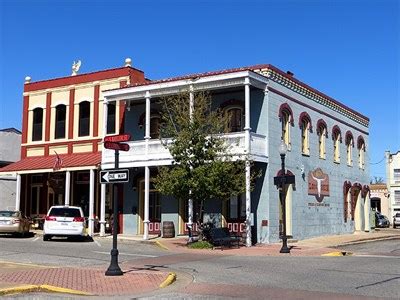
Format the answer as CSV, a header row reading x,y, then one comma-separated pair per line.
x,y
201,166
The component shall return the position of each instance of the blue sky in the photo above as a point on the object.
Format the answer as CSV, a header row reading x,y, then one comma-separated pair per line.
x,y
346,49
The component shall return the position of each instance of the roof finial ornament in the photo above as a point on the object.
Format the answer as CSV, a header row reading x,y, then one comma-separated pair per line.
x,y
75,67
28,79
128,62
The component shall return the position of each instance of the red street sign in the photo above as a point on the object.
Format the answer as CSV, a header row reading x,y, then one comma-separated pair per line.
x,y
118,138
116,146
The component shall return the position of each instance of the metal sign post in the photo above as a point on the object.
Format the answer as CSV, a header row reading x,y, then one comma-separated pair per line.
x,y
113,142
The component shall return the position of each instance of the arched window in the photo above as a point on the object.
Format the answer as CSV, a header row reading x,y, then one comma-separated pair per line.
x,y
111,118
286,117
61,113
235,119
37,124
306,127
337,139
322,132
84,118
234,111
361,152
349,148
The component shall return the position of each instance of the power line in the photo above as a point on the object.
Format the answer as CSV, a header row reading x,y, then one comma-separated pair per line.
x,y
378,162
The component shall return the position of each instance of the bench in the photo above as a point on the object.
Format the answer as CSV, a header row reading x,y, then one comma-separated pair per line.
x,y
222,237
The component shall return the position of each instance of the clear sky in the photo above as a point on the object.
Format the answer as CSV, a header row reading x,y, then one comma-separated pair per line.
x,y
348,49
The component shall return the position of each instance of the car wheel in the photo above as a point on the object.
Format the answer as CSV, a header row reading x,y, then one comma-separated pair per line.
x,y
46,237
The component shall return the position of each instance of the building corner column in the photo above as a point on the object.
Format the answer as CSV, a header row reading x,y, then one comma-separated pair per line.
x,y
18,193
67,187
91,203
102,210
247,129
146,220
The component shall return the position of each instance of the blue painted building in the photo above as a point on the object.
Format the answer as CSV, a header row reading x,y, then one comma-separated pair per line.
x,y
326,151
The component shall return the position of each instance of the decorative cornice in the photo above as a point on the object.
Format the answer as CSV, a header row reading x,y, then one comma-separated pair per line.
x,y
310,94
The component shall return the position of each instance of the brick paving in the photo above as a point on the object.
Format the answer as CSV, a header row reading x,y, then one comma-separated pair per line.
x,y
89,280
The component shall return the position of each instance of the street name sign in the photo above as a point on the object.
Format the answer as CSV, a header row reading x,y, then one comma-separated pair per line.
x,y
118,138
116,146
114,176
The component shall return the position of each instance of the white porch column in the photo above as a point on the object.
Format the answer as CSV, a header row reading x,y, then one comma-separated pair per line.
x,y
248,175
146,202
91,203
67,187
190,200
18,193
146,220
105,115
102,210
367,209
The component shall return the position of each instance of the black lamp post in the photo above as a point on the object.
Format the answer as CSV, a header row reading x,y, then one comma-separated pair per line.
x,y
282,196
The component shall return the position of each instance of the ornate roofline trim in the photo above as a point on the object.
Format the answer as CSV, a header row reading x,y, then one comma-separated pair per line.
x,y
310,93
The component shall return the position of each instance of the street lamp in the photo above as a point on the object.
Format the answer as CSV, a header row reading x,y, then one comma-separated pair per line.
x,y
282,195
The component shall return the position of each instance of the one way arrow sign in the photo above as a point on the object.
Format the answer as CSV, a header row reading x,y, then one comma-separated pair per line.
x,y
114,176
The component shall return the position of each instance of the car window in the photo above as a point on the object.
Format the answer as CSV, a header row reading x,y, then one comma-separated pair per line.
x,y
9,213
64,212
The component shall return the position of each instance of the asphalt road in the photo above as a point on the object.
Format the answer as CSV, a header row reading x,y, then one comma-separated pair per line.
x,y
373,270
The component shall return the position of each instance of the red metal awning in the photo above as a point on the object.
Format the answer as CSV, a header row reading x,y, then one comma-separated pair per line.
x,y
49,162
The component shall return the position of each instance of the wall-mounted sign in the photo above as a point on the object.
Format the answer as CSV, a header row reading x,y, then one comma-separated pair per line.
x,y
318,184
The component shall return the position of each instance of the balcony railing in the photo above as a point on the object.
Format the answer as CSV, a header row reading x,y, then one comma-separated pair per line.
x,y
159,155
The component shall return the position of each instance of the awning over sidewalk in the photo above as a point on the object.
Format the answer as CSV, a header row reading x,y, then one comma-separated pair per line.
x,y
52,162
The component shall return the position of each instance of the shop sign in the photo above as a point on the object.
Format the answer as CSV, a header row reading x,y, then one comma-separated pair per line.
x,y
318,184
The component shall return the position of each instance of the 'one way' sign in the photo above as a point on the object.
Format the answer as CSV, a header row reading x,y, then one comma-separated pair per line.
x,y
114,176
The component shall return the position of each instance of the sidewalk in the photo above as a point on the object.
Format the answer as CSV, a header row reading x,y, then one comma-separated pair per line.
x,y
309,247
20,278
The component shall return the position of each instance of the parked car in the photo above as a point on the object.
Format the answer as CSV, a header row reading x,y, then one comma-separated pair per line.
x,y
396,220
67,221
14,222
381,221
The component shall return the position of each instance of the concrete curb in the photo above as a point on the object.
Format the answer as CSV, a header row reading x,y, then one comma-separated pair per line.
x,y
169,280
161,245
338,253
386,238
40,288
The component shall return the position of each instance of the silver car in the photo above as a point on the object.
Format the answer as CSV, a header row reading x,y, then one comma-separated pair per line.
x,y
64,221
14,222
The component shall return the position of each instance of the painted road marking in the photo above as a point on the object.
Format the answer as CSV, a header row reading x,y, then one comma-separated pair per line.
x,y
127,254
97,243
35,239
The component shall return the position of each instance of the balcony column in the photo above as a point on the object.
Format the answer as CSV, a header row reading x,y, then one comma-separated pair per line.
x,y
67,187
102,210
105,115
247,151
103,186
91,203
147,171
18,193
190,200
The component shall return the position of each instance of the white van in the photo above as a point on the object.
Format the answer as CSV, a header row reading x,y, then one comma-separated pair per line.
x,y
64,221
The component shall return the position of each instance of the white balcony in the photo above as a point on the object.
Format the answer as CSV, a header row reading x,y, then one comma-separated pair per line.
x,y
159,155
